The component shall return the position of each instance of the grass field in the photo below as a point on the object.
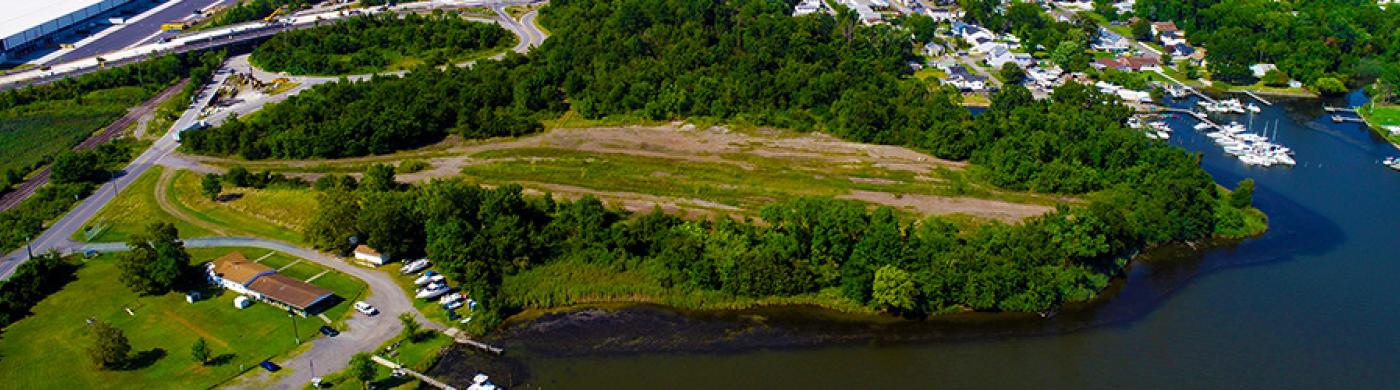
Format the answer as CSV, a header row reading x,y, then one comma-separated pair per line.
x,y
273,213
133,209
419,356
34,132
1383,115
46,350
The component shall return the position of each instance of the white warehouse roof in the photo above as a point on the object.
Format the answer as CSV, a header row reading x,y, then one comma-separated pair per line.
x,y
34,18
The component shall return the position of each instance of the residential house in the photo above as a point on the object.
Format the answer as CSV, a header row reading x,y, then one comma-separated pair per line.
x,y
1181,51
369,255
1001,56
257,281
1046,78
945,15
959,77
986,47
809,6
863,10
1108,40
933,49
1127,64
1158,28
1260,70
1125,7
1171,38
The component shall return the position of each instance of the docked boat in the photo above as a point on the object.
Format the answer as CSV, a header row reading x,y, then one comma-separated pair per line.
x,y
1202,126
449,298
1252,108
415,266
432,291
1392,162
429,277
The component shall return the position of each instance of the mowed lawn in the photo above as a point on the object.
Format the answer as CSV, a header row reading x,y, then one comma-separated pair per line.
x,y
133,209
47,349
1384,115
272,213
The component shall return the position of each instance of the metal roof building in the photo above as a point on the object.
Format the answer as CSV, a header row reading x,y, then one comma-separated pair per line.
x,y
25,23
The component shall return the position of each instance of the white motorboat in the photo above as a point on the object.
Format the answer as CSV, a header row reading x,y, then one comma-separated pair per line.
x,y
1392,162
432,291
1235,127
1163,135
424,277
1251,107
415,266
449,298
1202,126
452,305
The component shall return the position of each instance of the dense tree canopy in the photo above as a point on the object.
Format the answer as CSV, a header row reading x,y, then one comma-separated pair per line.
x,y
155,262
372,43
1308,40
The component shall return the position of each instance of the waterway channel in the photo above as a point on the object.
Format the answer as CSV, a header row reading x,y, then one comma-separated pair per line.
x,y
1313,303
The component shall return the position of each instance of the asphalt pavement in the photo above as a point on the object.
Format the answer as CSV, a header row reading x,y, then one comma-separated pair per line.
x,y
138,32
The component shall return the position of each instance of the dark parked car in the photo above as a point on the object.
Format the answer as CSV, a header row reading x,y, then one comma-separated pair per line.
x,y
329,331
270,366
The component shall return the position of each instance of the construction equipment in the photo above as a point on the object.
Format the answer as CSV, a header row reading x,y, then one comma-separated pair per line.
x,y
66,46
172,27
275,13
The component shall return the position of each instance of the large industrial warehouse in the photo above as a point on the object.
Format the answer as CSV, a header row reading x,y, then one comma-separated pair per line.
x,y
29,24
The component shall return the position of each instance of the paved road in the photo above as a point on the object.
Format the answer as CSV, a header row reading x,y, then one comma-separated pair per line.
x,y
327,354
138,32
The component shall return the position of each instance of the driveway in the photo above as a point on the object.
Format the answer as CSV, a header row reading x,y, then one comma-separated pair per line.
x,y
327,354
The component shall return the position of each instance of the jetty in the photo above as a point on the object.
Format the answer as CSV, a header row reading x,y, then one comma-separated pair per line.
x,y
1200,116
1188,88
400,368
1257,97
461,338
1339,109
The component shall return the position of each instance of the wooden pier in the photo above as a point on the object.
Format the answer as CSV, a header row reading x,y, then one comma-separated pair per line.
x,y
461,338
1339,109
426,379
1257,97
1194,114
1188,88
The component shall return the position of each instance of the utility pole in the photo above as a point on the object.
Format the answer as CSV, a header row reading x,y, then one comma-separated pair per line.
x,y
294,326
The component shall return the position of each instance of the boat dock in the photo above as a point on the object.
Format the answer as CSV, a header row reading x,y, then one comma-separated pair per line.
x,y
461,338
1188,88
1340,119
1198,115
400,368
1339,109
1257,97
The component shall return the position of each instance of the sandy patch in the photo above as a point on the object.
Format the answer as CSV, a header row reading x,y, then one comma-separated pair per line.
x,y
942,205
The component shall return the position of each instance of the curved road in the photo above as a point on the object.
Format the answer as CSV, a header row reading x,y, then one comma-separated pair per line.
x,y
327,354
330,354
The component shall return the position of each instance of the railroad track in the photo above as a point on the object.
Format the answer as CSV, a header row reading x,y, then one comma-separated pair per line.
x,y
26,189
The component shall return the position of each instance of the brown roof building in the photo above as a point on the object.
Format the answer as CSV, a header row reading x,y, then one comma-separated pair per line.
x,y
235,272
1133,63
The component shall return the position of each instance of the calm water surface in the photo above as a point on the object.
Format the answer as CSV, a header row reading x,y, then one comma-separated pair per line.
x,y
1314,303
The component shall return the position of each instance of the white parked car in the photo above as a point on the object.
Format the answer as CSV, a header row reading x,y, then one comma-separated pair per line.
x,y
366,308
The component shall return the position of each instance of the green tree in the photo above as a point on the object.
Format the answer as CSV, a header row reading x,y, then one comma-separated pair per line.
x,y
1243,196
238,176
388,219
109,349
362,368
922,26
1275,78
77,167
894,289
156,261
335,222
1142,30
411,327
200,351
212,186
1011,73
379,177
1329,86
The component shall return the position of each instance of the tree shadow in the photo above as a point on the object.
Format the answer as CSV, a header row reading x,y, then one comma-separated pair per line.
x,y
392,381
144,359
229,197
222,359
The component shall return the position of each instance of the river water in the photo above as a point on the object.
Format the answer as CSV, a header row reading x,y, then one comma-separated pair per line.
x,y
1311,304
